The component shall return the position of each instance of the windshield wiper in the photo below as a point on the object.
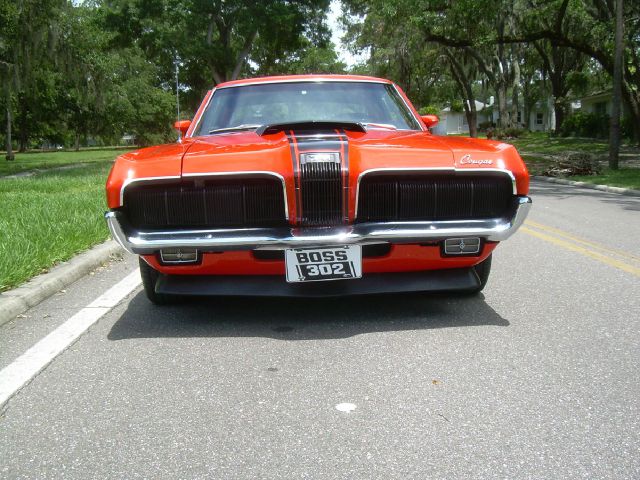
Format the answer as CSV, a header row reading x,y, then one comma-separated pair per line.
x,y
237,128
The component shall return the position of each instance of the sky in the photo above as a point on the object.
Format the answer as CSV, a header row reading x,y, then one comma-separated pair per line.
x,y
337,32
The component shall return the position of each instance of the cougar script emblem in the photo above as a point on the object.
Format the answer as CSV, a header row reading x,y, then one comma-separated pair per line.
x,y
467,160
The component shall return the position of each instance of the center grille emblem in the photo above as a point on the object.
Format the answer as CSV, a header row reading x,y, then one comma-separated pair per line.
x,y
318,157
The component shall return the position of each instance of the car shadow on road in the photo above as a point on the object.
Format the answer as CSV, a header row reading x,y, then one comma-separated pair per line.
x,y
561,192
301,319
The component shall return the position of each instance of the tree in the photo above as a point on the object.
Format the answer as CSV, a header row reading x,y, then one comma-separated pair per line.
x,y
614,134
559,64
309,59
28,38
217,40
397,51
466,28
588,27
464,73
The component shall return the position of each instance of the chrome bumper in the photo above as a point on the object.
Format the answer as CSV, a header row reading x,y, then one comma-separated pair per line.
x,y
144,242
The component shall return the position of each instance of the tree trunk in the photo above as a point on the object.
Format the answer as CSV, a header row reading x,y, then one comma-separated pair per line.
x,y
472,120
501,93
23,134
217,77
560,110
513,121
76,145
465,86
10,155
244,53
526,101
614,130
515,96
23,141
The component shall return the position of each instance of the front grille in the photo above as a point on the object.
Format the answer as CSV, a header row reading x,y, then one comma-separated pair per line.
x,y
321,194
385,198
230,203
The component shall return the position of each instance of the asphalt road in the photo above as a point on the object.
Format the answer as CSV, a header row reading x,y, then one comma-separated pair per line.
x,y
537,378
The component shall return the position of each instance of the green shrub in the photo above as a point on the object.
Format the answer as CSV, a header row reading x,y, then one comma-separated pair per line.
x,y
429,110
485,126
626,129
457,106
582,124
505,133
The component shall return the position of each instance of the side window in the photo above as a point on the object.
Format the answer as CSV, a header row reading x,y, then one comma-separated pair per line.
x,y
539,118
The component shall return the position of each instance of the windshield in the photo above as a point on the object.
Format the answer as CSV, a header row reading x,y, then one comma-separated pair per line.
x,y
271,103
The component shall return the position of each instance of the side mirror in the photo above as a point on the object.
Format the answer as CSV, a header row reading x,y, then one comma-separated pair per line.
x,y
430,120
182,126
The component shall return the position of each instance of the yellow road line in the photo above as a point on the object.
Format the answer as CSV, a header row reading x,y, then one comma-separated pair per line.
x,y
584,251
564,234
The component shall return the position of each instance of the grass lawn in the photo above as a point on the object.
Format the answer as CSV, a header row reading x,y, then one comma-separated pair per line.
x,y
539,149
544,144
43,160
49,217
624,177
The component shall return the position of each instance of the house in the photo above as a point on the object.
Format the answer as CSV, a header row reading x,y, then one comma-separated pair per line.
x,y
541,118
599,103
455,123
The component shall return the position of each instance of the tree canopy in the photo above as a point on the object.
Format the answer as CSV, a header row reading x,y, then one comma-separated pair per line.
x,y
73,73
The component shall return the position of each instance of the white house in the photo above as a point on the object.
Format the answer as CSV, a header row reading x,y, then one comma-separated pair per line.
x,y
452,123
599,103
541,118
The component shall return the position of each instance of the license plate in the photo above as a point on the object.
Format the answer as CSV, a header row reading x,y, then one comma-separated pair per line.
x,y
330,263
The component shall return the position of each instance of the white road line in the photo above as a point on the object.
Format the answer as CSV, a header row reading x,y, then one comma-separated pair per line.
x,y
30,363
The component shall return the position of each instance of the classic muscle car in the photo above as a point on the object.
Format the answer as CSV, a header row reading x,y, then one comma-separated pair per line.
x,y
310,186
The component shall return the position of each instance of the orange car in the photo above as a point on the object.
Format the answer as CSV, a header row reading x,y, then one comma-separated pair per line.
x,y
314,185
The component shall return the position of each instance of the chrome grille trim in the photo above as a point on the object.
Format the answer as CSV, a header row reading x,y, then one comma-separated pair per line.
x,y
212,203
407,198
204,175
432,169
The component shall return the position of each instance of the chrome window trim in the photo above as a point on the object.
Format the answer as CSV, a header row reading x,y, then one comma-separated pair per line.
x,y
197,120
239,173
433,169
420,124
307,80
316,80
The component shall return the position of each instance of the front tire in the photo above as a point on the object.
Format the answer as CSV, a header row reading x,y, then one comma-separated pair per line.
x,y
149,278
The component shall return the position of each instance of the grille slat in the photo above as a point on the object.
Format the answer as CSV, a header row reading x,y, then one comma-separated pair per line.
x,y
384,198
213,204
321,190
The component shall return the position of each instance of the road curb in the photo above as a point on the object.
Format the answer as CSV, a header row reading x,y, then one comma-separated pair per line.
x,y
19,300
604,188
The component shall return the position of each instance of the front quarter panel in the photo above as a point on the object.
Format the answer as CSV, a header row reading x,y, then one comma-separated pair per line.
x,y
163,161
473,153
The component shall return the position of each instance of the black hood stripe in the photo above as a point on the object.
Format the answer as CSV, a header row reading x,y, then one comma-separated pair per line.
x,y
321,140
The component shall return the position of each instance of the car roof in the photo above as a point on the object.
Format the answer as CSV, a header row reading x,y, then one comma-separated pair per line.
x,y
303,78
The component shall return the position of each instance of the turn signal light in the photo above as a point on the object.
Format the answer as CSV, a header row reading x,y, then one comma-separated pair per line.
x,y
179,255
462,246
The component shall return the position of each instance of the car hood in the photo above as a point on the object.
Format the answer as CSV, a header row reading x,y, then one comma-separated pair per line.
x,y
377,148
